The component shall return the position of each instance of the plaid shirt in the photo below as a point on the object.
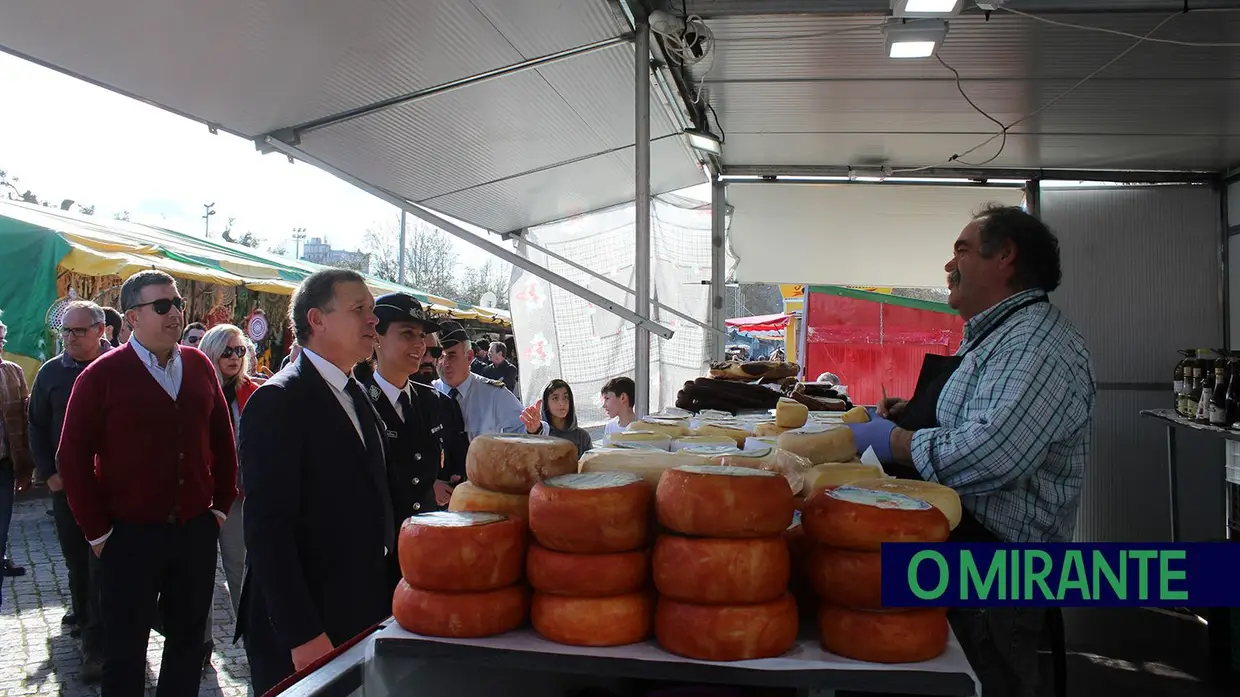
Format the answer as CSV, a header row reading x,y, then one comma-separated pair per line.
x,y
1015,423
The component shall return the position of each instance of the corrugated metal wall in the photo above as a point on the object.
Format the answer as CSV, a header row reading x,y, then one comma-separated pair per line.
x,y
1141,280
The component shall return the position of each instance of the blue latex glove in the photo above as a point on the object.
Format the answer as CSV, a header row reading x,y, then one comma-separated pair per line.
x,y
875,433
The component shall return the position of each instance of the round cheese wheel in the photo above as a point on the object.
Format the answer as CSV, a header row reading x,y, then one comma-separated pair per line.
x,y
610,621
820,443
941,497
469,497
513,464
590,575
769,429
904,636
838,474
790,413
717,501
863,519
792,467
735,433
674,428
702,441
461,551
726,632
650,439
459,615
715,571
647,464
595,513
847,578
758,442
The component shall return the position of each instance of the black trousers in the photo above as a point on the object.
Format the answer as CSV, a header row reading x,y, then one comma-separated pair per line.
x,y
170,564
83,584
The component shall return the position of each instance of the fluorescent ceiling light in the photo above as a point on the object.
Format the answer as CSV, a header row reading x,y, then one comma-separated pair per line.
x,y
916,39
704,142
924,8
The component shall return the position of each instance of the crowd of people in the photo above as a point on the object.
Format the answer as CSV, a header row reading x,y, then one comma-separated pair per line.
x,y
166,451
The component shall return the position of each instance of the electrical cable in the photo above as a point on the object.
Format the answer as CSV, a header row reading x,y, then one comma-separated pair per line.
x,y
1003,133
1104,30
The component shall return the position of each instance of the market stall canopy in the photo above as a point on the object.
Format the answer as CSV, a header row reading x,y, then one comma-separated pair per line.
x,y
760,326
389,91
98,247
841,234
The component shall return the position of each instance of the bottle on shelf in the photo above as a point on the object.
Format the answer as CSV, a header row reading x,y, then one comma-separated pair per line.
x,y
1183,380
1193,408
1233,396
1218,396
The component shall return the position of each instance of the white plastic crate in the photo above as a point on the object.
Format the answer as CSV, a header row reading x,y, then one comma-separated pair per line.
x,y
1233,461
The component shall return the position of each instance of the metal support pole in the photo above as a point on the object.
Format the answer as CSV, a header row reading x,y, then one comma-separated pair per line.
x,y
456,230
620,286
400,259
641,153
718,262
1173,484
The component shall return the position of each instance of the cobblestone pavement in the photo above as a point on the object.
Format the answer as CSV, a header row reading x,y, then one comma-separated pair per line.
x,y
38,657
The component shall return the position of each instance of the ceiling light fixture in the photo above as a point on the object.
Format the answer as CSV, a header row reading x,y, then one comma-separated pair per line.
x,y
704,141
925,8
920,40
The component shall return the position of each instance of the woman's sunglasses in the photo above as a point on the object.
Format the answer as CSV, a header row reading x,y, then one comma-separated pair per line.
x,y
164,305
233,352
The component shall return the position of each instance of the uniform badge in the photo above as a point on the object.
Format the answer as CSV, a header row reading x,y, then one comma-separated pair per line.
x,y
393,434
374,392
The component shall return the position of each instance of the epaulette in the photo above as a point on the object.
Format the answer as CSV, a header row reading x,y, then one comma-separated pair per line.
x,y
494,383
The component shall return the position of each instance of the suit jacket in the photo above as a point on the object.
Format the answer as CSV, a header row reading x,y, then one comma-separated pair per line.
x,y
14,400
314,517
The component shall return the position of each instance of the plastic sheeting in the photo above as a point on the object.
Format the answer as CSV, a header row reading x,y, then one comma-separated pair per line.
x,y
559,335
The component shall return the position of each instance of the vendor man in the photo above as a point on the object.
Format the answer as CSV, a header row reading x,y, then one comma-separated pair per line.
x,y
1005,422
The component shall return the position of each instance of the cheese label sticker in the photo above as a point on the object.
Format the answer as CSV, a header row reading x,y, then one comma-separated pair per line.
x,y
456,519
593,480
726,471
879,499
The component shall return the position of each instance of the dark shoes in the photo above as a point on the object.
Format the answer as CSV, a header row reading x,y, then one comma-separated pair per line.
x,y
92,670
68,619
11,569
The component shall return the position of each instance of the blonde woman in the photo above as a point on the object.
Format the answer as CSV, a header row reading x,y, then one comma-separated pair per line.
x,y
229,352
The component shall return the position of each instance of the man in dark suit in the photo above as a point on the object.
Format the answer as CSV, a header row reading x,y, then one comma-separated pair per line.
x,y
319,525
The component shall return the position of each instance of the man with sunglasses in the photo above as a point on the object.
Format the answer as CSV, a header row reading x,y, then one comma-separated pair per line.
x,y
84,339
149,467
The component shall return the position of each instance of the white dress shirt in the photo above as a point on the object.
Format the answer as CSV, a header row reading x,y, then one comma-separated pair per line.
x,y
168,376
393,393
337,380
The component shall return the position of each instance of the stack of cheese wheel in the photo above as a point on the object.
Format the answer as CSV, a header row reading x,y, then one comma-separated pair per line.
x,y
590,559
722,567
848,525
501,469
461,574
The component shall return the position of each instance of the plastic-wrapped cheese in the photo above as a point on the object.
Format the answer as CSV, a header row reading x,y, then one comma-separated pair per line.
x,y
595,513
673,428
662,441
700,441
646,463
711,452
863,519
714,501
514,463
820,443
792,467
759,442
941,497
790,413
831,474
462,551
734,432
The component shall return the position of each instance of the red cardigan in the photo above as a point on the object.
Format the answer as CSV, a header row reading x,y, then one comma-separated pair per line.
x,y
124,437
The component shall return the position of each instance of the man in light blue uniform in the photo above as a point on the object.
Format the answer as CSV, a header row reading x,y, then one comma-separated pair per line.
x,y
488,406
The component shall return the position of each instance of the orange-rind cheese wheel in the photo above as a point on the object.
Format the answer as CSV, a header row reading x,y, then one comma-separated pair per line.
x,y
596,513
614,620
727,632
721,501
514,463
461,551
721,571
459,615
586,575
863,519
905,636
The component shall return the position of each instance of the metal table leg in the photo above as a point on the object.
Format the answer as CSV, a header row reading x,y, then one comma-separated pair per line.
x,y
1173,484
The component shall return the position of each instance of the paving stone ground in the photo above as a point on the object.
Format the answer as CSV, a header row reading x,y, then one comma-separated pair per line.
x,y
37,655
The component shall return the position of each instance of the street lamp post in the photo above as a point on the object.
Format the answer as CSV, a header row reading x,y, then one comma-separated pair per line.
x,y
299,234
208,211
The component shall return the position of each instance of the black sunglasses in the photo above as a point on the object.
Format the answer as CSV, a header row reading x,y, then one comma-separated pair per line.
x,y
164,305
79,332
233,352
435,351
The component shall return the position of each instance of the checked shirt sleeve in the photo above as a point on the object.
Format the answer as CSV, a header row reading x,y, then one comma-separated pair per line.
x,y
1024,401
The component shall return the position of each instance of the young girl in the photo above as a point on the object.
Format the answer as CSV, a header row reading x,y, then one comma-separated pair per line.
x,y
560,412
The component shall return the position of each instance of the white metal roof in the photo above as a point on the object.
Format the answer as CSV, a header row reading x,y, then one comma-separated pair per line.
x,y
808,83
514,150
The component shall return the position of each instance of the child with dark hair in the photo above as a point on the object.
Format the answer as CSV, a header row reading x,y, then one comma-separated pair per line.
x,y
560,412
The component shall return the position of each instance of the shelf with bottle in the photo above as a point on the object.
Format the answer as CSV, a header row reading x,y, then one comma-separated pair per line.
x,y
1207,387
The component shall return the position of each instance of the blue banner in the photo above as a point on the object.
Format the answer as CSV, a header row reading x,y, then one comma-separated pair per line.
x,y
1205,574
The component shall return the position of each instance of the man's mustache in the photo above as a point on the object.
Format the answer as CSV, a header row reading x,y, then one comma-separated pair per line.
x,y
953,278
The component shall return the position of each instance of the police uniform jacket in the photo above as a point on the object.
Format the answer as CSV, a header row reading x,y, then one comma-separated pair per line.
x,y
414,449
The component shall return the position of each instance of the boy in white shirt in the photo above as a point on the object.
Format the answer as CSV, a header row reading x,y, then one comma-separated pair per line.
x,y
618,397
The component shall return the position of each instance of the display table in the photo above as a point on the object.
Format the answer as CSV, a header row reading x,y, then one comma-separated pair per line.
x,y
393,661
1174,421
